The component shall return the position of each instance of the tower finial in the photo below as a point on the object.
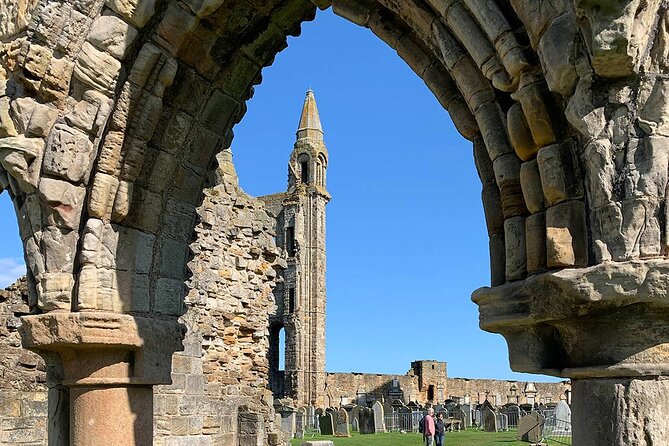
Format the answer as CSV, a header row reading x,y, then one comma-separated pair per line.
x,y
310,122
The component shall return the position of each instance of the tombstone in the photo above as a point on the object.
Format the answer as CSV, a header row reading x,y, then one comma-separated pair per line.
x,y
288,417
387,408
467,410
512,411
366,421
489,420
530,427
354,425
354,417
326,424
300,419
379,422
562,418
341,424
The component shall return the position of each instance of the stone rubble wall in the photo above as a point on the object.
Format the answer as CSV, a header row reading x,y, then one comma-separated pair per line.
x,y
221,377
344,387
23,390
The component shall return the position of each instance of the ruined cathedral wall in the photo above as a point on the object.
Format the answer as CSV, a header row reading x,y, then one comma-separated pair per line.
x,y
220,379
500,391
345,387
23,391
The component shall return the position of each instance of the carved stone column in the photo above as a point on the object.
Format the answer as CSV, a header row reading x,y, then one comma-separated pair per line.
x,y
110,363
607,328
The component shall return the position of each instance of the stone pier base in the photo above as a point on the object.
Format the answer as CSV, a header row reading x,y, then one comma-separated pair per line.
x,y
621,412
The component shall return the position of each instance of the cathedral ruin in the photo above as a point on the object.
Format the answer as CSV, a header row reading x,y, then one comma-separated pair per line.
x,y
116,122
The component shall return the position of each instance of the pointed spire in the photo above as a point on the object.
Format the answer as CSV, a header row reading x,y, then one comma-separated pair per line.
x,y
310,122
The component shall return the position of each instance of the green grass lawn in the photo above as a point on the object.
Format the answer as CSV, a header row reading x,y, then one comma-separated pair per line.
x,y
465,438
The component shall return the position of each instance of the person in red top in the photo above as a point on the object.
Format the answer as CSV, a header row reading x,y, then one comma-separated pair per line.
x,y
428,433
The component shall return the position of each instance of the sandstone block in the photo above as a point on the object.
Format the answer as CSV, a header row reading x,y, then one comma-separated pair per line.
x,y
566,235
21,157
112,35
102,196
69,154
556,51
507,174
54,291
490,119
134,11
598,161
7,127
536,104
515,247
560,173
653,114
537,16
56,82
519,133
535,239
492,207
32,118
97,69
530,181
65,200
169,297
356,11
175,28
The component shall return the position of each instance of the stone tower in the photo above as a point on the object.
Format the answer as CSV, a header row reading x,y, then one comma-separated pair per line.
x,y
300,299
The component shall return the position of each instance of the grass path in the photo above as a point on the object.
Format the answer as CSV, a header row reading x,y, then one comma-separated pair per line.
x,y
466,438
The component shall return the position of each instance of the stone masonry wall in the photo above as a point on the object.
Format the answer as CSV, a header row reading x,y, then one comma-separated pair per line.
x,y
23,392
220,379
344,388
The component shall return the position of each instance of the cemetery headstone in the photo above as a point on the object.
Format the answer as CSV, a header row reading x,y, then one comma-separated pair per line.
x,y
341,428
502,422
366,421
563,412
489,420
467,410
379,425
326,424
530,426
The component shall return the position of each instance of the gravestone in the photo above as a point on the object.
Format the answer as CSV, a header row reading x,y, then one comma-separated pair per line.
x,y
341,425
379,422
387,408
317,443
489,420
530,426
310,423
366,421
354,425
467,410
562,418
326,424
300,422
354,417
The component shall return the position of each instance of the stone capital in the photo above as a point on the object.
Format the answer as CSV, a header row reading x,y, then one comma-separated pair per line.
x,y
608,320
105,348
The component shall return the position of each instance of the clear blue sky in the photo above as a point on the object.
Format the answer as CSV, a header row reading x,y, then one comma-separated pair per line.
x,y
406,236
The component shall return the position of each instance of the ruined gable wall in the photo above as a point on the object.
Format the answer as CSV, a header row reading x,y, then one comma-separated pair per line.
x,y
223,370
23,392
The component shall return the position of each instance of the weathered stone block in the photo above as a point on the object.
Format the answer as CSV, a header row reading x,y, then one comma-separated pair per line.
x,y
137,12
556,51
560,173
507,174
22,157
102,196
515,247
54,291
112,35
566,235
492,207
490,119
519,133
65,199
536,104
69,154
535,240
169,297
97,69
530,181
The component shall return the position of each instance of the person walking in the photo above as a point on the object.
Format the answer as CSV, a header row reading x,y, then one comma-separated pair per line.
x,y
428,431
439,430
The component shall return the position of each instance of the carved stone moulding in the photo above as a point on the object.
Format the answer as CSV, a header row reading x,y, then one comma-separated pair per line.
x,y
608,320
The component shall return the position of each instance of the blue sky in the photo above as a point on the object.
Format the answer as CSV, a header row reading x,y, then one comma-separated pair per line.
x,y
406,235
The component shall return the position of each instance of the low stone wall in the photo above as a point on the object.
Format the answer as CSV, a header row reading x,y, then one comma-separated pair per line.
x,y
23,391
500,391
345,387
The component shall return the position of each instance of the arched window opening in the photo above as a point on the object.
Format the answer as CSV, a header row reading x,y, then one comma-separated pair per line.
x,y
277,360
430,393
304,172
290,241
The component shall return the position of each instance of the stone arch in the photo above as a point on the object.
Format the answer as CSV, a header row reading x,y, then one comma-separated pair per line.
x,y
110,117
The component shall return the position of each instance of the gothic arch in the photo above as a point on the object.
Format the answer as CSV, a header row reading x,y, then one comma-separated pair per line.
x,y
110,117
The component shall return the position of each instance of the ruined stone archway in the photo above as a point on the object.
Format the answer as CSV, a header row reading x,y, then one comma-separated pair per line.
x,y
110,117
